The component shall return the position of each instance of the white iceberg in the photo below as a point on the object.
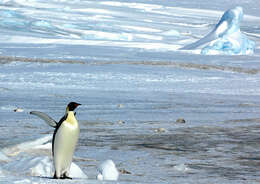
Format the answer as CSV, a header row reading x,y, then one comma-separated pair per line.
x,y
107,171
226,37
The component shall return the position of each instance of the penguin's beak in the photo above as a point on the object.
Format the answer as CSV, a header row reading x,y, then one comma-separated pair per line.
x,y
77,104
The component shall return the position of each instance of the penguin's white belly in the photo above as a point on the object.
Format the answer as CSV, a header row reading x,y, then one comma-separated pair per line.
x,y
65,142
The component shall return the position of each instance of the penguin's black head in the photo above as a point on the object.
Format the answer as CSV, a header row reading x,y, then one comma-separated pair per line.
x,y
72,106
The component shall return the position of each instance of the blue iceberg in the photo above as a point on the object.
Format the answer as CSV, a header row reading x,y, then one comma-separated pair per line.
x,y
226,37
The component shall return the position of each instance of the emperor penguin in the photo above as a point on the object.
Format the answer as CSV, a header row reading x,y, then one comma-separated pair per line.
x,y
64,140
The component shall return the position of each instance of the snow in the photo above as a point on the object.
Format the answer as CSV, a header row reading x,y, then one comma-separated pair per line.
x,y
122,61
22,160
15,150
107,171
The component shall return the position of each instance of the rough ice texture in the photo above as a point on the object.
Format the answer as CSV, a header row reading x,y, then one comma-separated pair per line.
x,y
107,171
23,163
226,37
231,41
233,44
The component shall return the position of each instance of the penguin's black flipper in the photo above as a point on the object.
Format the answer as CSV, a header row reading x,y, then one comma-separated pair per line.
x,y
51,122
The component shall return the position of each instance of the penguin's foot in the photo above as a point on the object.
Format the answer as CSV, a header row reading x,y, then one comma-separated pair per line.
x,y
64,176
55,176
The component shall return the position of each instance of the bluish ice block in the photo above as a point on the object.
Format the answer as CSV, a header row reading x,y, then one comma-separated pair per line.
x,y
235,44
226,37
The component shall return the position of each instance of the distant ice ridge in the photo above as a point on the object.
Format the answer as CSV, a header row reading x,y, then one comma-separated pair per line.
x,y
226,37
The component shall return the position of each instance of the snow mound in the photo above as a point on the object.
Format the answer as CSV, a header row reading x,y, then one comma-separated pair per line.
x,y
76,172
39,166
107,171
15,150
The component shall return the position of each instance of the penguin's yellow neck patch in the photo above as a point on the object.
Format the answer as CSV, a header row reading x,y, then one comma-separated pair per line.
x,y
71,118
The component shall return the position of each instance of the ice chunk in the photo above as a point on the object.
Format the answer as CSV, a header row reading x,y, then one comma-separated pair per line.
x,y
39,166
76,172
15,150
181,168
226,37
234,44
107,171
26,165
4,158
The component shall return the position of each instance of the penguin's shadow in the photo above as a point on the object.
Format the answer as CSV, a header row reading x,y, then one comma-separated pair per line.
x,y
49,177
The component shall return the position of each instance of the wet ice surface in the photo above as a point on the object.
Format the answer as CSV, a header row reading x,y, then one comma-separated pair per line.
x,y
122,110
134,84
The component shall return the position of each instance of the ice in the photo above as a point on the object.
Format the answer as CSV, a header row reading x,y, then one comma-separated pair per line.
x,y
25,162
32,166
42,24
7,108
22,181
226,37
3,157
1,172
171,33
107,171
233,44
76,172
121,60
181,168
15,150
99,35
41,167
